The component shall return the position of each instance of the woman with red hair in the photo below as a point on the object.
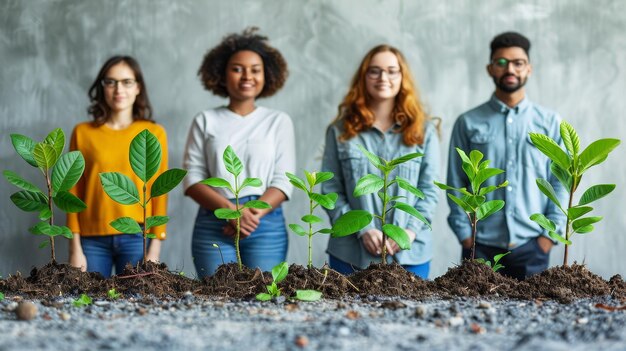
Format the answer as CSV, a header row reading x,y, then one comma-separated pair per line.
x,y
382,112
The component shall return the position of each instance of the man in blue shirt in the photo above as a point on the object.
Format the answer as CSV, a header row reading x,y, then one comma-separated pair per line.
x,y
499,129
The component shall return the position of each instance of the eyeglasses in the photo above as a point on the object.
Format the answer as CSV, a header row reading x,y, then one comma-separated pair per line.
x,y
377,73
502,63
112,83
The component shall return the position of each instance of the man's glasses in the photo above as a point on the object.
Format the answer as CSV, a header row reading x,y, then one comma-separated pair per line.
x,y
112,83
377,73
502,63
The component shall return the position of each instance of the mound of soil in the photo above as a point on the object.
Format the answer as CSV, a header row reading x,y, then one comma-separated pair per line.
x,y
564,284
152,279
389,280
331,283
618,287
232,283
472,278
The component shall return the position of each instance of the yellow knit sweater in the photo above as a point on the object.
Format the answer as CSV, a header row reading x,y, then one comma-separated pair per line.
x,y
106,150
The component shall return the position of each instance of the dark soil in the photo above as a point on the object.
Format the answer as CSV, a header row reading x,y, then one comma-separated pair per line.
x,y
618,288
232,283
331,283
152,279
472,278
389,280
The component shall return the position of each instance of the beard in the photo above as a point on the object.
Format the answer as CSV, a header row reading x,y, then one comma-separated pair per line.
x,y
509,88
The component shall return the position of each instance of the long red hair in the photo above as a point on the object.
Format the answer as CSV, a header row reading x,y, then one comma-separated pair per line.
x,y
408,111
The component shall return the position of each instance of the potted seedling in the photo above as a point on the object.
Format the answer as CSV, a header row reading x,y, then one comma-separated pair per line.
x,y
235,167
474,201
61,172
145,160
372,183
568,166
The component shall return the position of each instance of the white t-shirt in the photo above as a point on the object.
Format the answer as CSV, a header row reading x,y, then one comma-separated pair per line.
x,y
263,140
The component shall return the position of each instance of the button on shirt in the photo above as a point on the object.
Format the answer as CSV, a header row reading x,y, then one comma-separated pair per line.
x,y
349,164
500,133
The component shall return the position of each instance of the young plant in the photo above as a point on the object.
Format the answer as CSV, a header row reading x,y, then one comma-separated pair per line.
x,y
474,202
235,167
568,166
145,160
220,251
113,294
496,266
82,301
372,183
1,296
61,172
315,199
279,272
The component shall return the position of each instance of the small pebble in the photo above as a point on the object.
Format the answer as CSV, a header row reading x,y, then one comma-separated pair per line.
x,y
65,316
583,320
26,311
420,311
11,306
484,305
344,331
102,303
301,341
455,321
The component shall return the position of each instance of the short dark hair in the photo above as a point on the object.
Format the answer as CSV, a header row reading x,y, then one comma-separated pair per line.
x,y
212,71
510,39
100,110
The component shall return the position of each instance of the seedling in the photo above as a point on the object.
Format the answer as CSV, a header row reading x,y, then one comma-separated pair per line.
x,y
1,296
235,167
371,183
145,160
279,272
496,266
82,301
315,199
66,171
474,202
568,166
113,294
220,250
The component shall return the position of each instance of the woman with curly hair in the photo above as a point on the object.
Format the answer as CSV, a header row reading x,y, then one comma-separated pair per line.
x,y
120,110
383,113
242,68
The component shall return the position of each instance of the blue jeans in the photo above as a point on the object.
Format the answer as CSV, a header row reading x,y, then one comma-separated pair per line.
x,y
264,248
119,249
420,270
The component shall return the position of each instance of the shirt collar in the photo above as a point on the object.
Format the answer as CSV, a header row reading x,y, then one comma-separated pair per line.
x,y
501,107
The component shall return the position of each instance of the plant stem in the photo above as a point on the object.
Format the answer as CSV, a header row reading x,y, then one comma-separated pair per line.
x,y
145,231
238,231
474,226
382,219
311,233
569,222
51,220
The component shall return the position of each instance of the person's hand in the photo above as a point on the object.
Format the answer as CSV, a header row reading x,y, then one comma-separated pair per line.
x,y
545,244
392,246
78,260
467,243
248,222
373,241
154,251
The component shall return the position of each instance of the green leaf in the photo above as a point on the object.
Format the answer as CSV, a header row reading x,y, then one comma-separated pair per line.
x,y
298,229
584,222
382,196
559,238
564,177
263,297
543,221
375,160
258,204
488,208
29,201
575,212
368,184
126,225
225,213
475,157
596,192
547,189
297,182
45,156
584,230
68,171
596,152
120,188
551,149
310,177
279,272
311,219
24,147
443,186
45,214
253,182
325,231
406,185
145,155
16,180
412,211
497,258
82,301
156,221
44,244
484,165
467,208
398,235
404,158
68,202
327,201
167,181
56,139
482,176
218,183
474,200
463,155
44,228
232,162
321,177
1,296
570,139
308,295
351,222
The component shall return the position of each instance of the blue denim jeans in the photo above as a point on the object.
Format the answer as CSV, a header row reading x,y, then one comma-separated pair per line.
x,y
420,270
119,249
264,248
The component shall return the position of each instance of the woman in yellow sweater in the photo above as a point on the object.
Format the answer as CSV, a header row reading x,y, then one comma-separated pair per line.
x,y
120,109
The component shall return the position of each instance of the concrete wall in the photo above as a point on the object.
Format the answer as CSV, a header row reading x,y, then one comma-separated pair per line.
x,y
50,52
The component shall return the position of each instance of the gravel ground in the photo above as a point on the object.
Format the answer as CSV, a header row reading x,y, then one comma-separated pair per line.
x,y
370,324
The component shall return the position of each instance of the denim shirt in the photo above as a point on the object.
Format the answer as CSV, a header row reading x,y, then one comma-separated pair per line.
x,y
348,164
501,134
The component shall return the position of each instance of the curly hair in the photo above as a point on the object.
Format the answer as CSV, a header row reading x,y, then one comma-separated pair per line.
x,y
408,111
507,40
101,111
212,71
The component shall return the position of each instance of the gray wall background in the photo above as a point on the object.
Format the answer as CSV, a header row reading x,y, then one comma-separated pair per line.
x,y
50,52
